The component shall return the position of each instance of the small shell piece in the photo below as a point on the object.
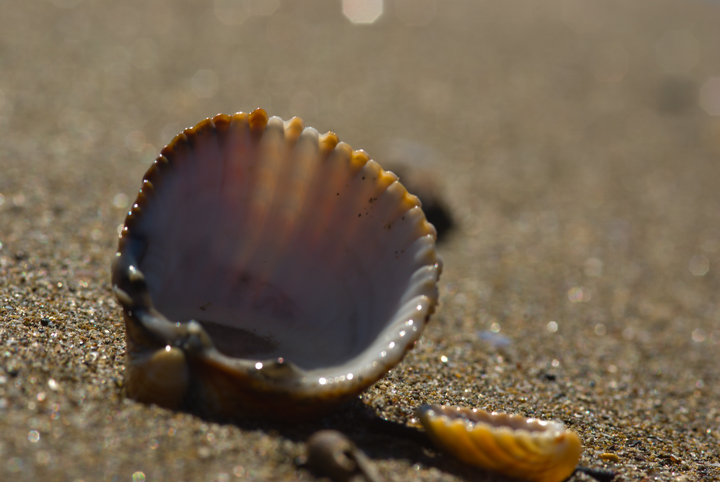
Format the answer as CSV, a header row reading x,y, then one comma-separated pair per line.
x,y
331,453
516,446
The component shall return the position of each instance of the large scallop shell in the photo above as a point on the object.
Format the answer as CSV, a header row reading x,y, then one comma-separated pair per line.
x,y
265,269
516,446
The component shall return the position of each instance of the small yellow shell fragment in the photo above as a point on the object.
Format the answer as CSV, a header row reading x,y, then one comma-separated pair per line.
x,y
512,445
609,457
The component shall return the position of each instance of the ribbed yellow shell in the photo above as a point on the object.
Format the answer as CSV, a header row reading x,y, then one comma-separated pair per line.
x,y
516,446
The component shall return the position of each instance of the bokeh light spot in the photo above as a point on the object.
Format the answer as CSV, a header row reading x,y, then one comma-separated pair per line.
x,y
120,200
699,335
14,464
710,96
362,11
699,265
135,141
578,294
204,83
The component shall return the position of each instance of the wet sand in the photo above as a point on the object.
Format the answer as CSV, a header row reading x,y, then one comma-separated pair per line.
x,y
576,148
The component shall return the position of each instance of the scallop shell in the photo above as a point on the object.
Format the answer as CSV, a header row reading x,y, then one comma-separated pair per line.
x,y
516,446
267,270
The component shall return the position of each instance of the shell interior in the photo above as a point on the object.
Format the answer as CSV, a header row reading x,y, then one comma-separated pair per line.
x,y
284,245
526,448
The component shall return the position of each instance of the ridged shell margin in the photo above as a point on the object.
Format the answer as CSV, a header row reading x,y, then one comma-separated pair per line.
x,y
513,445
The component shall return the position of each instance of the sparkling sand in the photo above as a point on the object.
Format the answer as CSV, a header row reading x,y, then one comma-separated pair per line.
x,y
577,143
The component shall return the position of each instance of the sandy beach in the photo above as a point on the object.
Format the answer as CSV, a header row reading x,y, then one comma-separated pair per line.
x,y
575,142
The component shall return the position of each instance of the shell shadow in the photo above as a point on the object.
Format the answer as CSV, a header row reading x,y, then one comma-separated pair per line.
x,y
378,438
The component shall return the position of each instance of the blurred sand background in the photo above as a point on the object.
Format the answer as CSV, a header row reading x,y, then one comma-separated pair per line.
x,y
578,143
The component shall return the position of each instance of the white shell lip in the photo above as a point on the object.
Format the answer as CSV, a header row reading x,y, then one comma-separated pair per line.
x,y
179,347
497,420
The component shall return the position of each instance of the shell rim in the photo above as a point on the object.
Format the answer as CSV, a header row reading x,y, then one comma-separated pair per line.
x,y
299,382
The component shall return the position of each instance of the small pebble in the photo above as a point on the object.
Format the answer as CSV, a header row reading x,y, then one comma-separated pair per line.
x,y
609,457
332,454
